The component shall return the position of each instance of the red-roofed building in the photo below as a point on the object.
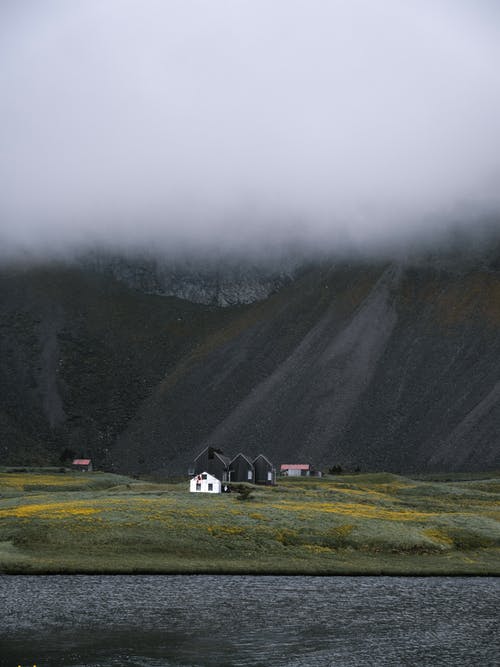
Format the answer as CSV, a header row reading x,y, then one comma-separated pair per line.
x,y
298,470
84,465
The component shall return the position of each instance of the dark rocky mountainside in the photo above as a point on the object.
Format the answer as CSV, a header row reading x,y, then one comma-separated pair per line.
x,y
216,281
382,365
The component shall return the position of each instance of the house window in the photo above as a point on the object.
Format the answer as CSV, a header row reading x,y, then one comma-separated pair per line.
x,y
249,474
210,487
198,486
204,476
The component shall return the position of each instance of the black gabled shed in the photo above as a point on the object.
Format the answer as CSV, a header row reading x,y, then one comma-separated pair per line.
x,y
241,469
265,472
213,461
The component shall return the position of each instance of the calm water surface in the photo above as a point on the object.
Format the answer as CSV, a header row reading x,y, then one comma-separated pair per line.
x,y
167,621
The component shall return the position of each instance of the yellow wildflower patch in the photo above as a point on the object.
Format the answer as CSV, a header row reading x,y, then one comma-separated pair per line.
x,y
317,549
47,511
20,481
356,510
438,536
342,531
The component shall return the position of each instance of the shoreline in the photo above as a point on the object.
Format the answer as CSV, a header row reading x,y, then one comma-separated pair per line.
x,y
158,573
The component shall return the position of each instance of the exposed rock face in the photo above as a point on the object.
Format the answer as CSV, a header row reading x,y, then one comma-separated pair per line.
x,y
221,282
390,366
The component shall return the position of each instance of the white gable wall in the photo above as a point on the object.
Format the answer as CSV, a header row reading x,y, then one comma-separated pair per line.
x,y
204,483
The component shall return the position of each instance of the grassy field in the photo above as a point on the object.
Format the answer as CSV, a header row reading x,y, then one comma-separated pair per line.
x,y
359,524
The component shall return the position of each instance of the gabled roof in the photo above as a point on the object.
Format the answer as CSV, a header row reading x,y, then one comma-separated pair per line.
x,y
225,459
295,466
201,453
81,462
261,456
242,456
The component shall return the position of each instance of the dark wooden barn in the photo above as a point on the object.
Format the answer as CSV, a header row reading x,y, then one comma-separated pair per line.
x,y
213,461
265,472
241,469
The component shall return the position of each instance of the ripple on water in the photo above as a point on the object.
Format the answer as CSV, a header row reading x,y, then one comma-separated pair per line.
x,y
176,621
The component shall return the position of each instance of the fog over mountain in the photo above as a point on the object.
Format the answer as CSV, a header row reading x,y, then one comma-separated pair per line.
x,y
246,125
263,225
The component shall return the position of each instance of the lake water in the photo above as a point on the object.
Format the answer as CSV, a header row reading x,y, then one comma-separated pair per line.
x,y
167,621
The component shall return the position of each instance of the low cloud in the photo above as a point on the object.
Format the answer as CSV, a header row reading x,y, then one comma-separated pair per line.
x,y
247,123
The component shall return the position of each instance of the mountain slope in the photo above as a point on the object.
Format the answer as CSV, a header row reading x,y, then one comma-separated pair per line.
x,y
384,368
381,366
79,352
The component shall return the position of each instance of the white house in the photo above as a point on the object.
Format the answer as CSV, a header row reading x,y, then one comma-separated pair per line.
x,y
204,483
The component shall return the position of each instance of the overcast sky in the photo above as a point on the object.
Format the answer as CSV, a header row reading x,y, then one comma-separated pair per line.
x,y
245,121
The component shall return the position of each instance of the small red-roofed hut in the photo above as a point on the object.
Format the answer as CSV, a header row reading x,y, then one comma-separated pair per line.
x,y
83,465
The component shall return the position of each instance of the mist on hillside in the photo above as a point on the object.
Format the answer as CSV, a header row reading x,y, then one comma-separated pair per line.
x,y
248,127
